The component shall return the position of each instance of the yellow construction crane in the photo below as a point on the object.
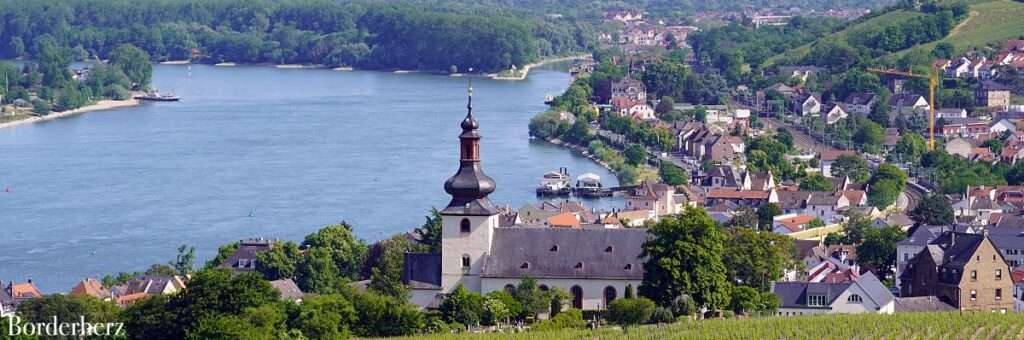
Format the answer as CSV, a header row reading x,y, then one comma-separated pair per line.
x,y
933,81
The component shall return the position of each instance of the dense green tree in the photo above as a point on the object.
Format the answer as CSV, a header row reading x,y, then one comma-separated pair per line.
x,y
533,300
430,232
317,272
385,263
910,147
68,309
684,256
878,251
995,145
671,174
325,317
744,217
280,261
509,302
635,154
379,315
766,214
758,258
462,306
630,312
151,318
943,50
346,250
665,79
570,319
851,166
665,105
933,210
882,194
815,182
135,64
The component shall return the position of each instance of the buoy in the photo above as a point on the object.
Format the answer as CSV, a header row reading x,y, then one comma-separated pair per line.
x,y
7,189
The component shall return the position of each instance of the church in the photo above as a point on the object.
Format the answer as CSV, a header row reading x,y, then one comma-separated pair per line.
x,y
478,252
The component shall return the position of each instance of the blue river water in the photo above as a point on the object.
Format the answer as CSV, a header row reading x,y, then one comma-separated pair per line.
x,y
257,152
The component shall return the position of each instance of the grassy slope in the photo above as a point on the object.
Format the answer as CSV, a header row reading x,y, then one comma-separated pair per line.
x,y
858,29
991,22
982,325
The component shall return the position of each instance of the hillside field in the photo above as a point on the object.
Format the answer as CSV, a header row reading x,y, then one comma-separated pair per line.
x,y
871,25
989,23
950,325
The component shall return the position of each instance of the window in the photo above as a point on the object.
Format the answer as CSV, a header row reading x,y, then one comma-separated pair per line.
x,y
609,295
554,248
465,261
525,265
999,294
629,266
906,257
854,298
974,295
609,249
974,275
464,226
577,297
815,300
579,265
999,274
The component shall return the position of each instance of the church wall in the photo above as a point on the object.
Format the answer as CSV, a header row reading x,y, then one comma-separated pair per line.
x,y
455,244
593,289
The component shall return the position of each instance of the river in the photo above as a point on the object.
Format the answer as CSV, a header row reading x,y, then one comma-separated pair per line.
x,y
257,152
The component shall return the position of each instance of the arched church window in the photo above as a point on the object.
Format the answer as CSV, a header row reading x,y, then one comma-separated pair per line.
x,y
465,261
525,265
609,295
577,297
464,226
554,248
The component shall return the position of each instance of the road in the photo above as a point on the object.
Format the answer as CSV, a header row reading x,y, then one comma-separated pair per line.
x,y
908,198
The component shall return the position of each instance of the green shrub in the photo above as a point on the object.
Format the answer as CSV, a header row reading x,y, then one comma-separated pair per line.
x,y
570,318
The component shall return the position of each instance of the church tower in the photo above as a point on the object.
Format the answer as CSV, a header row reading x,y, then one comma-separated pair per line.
x,y
468,222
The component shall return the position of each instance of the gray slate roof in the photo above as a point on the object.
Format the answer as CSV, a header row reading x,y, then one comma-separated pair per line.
x,y
794,294
922,304
581,253
288,289
422,271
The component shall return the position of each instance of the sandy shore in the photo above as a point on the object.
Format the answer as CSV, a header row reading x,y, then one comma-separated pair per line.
x,y
98,106
525,70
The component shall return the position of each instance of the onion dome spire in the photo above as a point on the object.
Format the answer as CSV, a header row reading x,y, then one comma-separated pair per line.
x,y
469,186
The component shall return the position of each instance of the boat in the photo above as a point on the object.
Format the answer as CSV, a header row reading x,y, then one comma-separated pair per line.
x,y
549,99
589,185
555,183
156,96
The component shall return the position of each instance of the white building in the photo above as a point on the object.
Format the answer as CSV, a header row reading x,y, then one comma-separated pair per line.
x,y
864,295
593,264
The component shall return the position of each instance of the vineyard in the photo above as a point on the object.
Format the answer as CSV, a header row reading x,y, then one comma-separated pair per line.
x,y
863,326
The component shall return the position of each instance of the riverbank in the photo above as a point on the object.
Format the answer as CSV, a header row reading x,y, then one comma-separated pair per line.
x,y
525,70
582,150
98,106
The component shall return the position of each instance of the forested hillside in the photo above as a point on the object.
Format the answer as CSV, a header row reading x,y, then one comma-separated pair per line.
x,y
412,35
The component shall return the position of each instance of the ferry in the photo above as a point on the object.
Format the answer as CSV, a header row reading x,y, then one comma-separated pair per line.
x,y
555,183
158,97
589,185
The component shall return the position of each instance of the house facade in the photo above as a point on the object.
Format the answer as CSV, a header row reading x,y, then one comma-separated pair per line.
x,y
965,270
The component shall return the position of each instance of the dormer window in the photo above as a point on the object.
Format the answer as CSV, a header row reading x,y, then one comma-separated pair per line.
x,y
525,265
609,249
464,225
554,248
815,300
579,265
